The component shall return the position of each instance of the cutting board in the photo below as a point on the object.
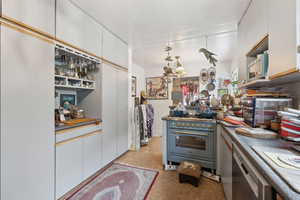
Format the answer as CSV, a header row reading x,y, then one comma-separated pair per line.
x,y
73,122
256,133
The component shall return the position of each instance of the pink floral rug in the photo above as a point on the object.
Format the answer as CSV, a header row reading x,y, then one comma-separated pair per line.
x,y
118,182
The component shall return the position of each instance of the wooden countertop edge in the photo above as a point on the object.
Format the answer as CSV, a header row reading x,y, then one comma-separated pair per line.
x,y
258,44
11,22
285,73
77,128
78,137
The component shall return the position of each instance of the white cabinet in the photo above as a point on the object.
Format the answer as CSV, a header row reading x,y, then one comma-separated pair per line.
x,y
253,27
114,49
115,113
27,123
122,113
69,166
109,110
282,37
76,28
39,14
92,154
226,163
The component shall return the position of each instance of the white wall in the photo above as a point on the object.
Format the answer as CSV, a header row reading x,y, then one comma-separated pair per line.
x,y
139,73
161,107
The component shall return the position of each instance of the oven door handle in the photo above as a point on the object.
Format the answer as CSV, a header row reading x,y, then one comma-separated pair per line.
x,y
189,133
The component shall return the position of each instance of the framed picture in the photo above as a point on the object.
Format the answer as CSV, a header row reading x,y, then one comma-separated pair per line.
x,y
157,88
221,92
133,86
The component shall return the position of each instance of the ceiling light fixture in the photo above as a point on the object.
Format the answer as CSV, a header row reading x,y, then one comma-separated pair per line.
x,y
169,72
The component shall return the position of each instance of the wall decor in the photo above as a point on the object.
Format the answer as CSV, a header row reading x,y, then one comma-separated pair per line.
x,y
157,88
133,86
185,90
222,92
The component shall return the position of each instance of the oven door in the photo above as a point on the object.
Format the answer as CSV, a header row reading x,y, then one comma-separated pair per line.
x,y
191,143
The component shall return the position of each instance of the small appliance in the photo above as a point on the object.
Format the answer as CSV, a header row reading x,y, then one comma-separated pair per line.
x,y
260,111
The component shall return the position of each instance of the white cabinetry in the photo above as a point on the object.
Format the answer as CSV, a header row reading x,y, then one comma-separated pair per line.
x,y
27,110
92,153
122,113
76,28
39,14
109,114
115,113
253,27
69,166
226,163
282,37
114,49
77,158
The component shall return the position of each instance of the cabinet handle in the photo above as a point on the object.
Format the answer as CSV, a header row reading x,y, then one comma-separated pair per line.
x,y
77,138
189,133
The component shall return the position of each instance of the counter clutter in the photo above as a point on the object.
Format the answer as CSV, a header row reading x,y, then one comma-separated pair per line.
x,y
246,144
251,145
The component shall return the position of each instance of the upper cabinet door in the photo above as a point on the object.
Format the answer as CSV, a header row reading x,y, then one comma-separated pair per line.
x,y
27,89
114,49
39,14
77,28
255,24
282,37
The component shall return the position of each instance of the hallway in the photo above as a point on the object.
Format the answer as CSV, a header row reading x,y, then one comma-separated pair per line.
x,y
166,186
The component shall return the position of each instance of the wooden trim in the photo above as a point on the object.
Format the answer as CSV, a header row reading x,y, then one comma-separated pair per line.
x,y
45,36
77,138
27,32
285,73
228,145
119,67
30,28
76,128
258,44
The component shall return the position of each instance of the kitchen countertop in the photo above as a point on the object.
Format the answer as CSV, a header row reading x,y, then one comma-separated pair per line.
x,y
245,144
194,119
64,127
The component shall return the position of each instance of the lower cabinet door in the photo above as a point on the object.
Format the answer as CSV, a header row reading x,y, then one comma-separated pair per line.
x,y
68,166
91,155
226,169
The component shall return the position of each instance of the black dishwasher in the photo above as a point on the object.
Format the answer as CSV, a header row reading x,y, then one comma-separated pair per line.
x,y
247,183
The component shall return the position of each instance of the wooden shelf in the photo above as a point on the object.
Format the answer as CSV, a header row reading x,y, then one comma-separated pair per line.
x,y
255,84
260,47
73,78
74,87
261,83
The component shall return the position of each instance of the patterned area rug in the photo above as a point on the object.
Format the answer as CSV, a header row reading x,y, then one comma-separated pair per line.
x,y
118,182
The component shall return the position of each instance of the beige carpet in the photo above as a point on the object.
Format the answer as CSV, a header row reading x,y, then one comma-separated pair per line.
x,y
167,187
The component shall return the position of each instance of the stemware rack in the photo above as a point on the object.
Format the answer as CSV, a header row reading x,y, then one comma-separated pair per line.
x,y
74,70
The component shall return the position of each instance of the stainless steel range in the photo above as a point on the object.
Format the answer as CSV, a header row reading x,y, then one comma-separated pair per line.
x,y
192,141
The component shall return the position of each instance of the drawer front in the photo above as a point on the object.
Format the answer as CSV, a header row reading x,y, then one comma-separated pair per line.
x,y
69,134
203,163
191,143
